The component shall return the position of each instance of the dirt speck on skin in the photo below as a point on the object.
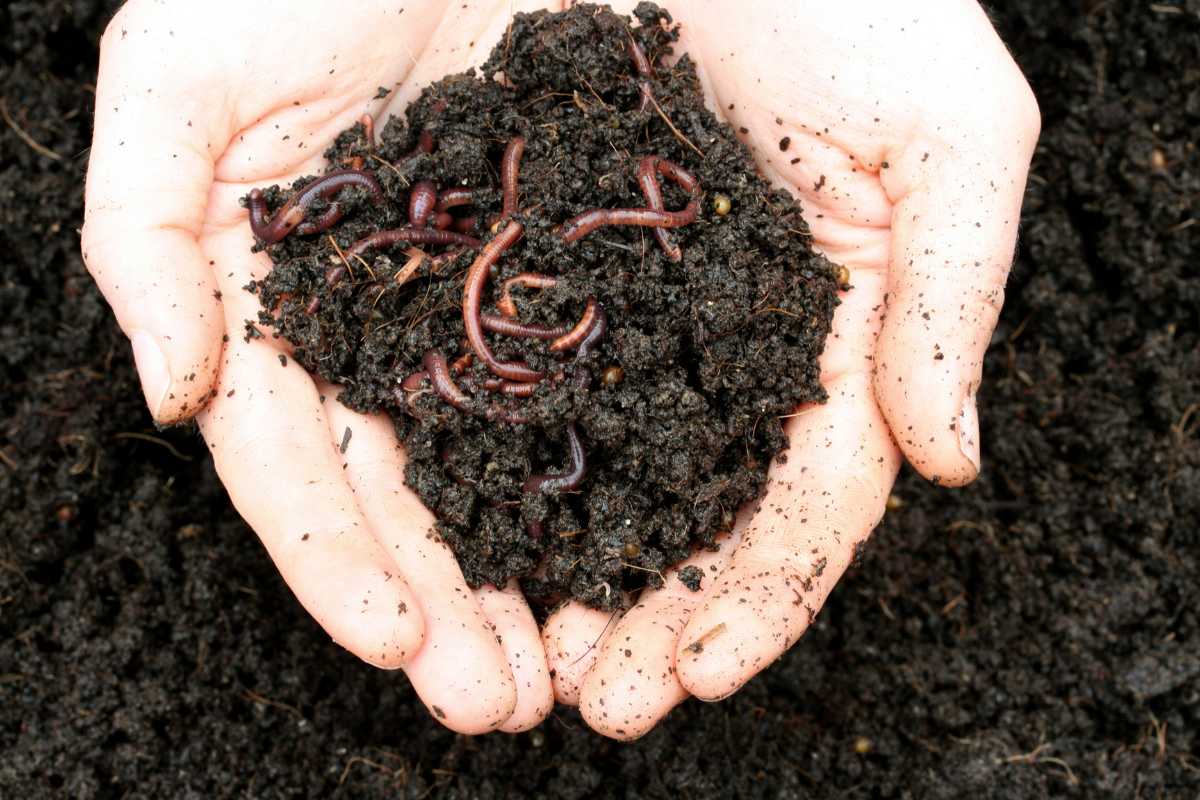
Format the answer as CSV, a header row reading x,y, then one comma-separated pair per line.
x,y
679,406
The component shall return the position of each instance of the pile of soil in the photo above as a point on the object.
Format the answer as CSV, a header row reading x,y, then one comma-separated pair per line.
x,y
1033,635
680,403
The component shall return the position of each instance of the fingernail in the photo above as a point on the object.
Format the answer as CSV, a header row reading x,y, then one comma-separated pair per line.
x,y
152,369
968,430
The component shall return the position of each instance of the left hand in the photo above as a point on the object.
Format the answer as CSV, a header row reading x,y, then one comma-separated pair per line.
x,y
909,137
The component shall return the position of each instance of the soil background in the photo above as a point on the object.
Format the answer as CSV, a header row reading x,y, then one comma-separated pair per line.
x,y
1034,635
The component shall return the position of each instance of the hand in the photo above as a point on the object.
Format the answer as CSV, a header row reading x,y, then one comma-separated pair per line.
x,y
196,104
906,132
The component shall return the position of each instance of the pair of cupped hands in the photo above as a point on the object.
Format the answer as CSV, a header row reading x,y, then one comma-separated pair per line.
x,y
910,136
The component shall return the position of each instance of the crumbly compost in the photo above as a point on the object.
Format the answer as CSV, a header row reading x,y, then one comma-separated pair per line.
x,y
714,327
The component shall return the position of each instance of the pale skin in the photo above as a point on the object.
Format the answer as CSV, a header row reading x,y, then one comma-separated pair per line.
x,y
910,131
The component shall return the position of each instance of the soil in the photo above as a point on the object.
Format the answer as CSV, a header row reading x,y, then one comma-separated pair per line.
x,y
1033,635
710,351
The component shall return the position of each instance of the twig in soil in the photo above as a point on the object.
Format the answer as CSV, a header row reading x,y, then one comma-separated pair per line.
x,y
40,149
9,461
1034,757
1182,429
678,134
400,773
627,565
255,697
698,645
145,437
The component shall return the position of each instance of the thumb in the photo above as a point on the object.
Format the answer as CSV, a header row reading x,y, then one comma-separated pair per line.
x,y
954,229
147,188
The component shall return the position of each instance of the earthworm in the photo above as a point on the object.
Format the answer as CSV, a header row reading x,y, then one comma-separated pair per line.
x,y
653,193
591,337
567,481
439,377
594,333
535,279
582,330
323,222
452,198
642,64
442,221
577,227
368,123
291,213
673,172
510,168
506,415
413,382
511,388
506,326
465,224
411,235
424,145
421,202
476,280
460,365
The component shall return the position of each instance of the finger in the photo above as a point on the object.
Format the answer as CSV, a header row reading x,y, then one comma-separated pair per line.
x,y
461,672
148,177
285,479
574,636
821,504
954,230
633,683
518,634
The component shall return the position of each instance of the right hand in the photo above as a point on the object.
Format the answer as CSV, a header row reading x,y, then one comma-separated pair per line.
x,y
196,104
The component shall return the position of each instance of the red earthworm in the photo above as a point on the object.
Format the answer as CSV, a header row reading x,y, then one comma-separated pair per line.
x,y
577,227
642,64
579,333
653,193
567,481
507,326
323,222
421,202
439,377
411,235
476,280
442,221
510,388
291,214
424,145
591,337
413,382
457,196
461,364
506,415
510,167
535,279
313,305
334,274
465,224
594,333
673,172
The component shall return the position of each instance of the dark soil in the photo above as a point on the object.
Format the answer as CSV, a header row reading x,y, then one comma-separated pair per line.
x,y
711,351
1034,635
